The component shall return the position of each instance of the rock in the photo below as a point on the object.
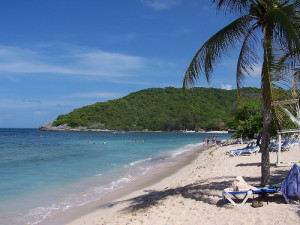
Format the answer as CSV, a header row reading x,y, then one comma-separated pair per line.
x,y
48,127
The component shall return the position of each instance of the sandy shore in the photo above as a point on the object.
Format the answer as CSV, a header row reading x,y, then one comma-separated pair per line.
x,y
193,195
217,132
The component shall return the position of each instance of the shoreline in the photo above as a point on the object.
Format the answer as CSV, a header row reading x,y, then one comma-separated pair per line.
x,y
65,128
192,195
151,178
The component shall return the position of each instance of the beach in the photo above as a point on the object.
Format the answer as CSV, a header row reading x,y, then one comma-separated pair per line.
x,y
193,195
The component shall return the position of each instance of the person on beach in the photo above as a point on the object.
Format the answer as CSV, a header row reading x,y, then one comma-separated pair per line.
x,y
207,142
218,141
213,140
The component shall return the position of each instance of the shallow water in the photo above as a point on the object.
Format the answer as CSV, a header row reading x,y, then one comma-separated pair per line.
x,y
43,173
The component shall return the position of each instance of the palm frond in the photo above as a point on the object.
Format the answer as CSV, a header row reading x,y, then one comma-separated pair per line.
x,y
286,21
233,6
290,101
285,82
296,3
247,58
211,51
286,67
296,83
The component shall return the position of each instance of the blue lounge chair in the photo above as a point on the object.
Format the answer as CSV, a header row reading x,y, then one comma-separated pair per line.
x,y
249,145
286,145
246,194
244,151
250,149
274,148
293,143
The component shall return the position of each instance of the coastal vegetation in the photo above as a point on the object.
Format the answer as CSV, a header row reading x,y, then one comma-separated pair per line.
x,y
248,120
276,22
161,109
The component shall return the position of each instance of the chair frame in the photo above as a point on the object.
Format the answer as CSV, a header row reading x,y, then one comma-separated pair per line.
x,y
247,194
238,152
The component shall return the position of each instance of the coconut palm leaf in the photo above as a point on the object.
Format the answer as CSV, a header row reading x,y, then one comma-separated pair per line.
x,y
232,5
210,53
248,57
286,21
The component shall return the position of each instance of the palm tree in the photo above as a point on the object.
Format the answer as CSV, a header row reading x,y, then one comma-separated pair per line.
x,y
277,21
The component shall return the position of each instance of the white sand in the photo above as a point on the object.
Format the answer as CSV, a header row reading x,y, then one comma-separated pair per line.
x,y
217,132
193,195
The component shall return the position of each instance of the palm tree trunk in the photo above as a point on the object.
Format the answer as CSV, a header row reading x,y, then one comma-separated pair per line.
x,y
266,94
265,140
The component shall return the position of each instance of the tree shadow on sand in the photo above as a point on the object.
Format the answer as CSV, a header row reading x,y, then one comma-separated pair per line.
x,y
198,191
253,164
207,191
279,175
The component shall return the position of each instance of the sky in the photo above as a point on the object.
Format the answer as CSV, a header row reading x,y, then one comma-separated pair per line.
x,y
59,55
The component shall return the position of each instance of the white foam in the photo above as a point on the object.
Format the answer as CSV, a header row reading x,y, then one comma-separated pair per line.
x,y
140,161
186,148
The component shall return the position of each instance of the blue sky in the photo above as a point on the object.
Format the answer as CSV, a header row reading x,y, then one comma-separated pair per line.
x,y
58,55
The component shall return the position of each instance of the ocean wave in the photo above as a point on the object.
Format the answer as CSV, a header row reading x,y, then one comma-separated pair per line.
x,y
140,161
184,149
39,214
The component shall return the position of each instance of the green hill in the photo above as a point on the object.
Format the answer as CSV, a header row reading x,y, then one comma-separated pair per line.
x,y
163,109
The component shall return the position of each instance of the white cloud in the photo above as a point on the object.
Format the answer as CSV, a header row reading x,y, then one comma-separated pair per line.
x,y
226,86
67,60
161,4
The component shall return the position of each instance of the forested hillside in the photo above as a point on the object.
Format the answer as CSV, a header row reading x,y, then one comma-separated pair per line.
x,y
165,109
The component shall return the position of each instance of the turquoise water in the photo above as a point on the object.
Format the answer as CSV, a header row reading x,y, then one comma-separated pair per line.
x,y
42,173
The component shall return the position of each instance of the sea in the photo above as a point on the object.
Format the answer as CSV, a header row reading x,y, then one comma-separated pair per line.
x,y
43,174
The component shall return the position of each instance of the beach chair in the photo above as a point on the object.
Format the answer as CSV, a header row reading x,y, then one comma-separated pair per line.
x,y
286,145
249,150
294,141
247,194
290,144
249,145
